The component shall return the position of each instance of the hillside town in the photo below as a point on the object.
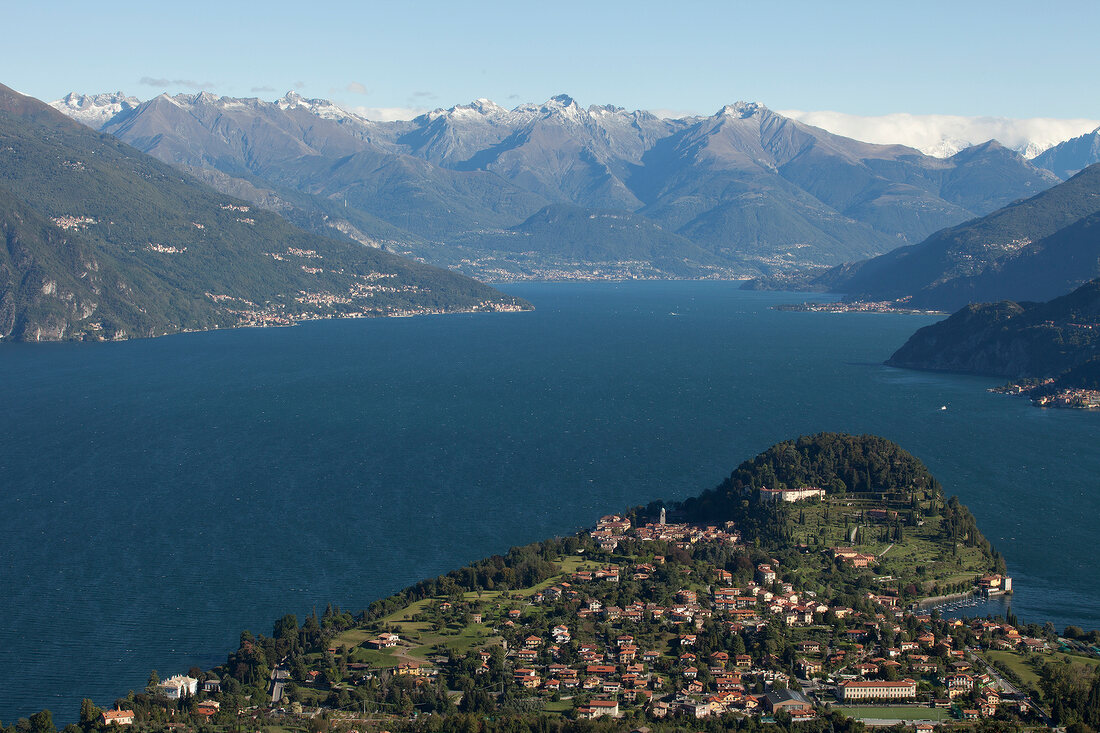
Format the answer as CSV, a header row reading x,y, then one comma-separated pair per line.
x,y
662,621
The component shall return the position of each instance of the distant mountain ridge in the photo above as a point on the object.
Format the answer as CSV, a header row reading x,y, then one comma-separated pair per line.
x,y
103,242
752,190
1035,249
1072,156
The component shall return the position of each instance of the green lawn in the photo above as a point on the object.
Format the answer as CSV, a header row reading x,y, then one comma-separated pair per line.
x,y
352,638
899,712
408,612
426,641
923,546
374,657
561,706
1017,663
1076,659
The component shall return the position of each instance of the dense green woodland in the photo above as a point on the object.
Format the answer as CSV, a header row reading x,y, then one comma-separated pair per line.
x,y
863,466
1059,338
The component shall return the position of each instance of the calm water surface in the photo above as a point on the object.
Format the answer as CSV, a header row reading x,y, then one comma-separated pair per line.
x,y
160,496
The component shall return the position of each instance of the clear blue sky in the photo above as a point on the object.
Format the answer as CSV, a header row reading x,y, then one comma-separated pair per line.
x,y
1010,59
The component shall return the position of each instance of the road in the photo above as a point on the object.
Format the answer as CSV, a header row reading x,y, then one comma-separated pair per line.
x,y
279,676
1008,688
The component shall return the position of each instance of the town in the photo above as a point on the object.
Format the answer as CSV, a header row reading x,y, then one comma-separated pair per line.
x,y
644,623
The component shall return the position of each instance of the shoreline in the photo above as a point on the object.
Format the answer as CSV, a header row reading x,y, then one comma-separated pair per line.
x,y
856,307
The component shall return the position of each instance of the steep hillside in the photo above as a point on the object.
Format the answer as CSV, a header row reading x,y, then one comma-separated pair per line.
x,y
1068,158
1038,247
1008,339
102,241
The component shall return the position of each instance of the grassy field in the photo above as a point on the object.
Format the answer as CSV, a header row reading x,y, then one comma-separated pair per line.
x,y
424,640
1017,663
1076,659
898,712
352,638
921,546
1022,666
560,706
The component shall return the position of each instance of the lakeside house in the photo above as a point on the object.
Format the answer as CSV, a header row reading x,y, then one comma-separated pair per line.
x,y
208,708
117,717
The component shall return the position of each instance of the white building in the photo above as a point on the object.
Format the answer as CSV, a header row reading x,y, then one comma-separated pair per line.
x,y
877,690
810,492
179,686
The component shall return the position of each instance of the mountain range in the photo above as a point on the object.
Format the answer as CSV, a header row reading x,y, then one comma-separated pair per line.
x,y
1035,249
101,241
1071,156
741,192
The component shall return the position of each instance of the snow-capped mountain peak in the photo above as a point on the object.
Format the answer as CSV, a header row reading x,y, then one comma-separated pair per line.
x,y
741,110
562,105
94,110
322,108
486,106
479,110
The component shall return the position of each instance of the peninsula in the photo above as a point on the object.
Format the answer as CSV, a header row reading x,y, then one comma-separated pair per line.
x,y
1050,350
793,593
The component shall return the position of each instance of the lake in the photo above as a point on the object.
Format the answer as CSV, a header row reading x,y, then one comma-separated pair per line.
x,y
163,495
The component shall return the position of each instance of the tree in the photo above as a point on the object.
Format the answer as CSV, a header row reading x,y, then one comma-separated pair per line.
x,y
152,687
286,627
89,715
42,722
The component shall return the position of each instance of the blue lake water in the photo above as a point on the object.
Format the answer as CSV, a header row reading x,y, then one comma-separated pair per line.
x,y
162,495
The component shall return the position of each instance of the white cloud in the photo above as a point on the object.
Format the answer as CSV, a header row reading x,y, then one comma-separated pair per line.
x,y
388,114
150,81
944,135
356,88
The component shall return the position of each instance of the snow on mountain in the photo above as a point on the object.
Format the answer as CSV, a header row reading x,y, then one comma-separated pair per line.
x,y
1067,158
945,135
741,110
94,110
480,110
323,108
940,136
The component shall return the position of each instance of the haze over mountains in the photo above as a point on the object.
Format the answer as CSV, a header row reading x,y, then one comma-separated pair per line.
x,y
744,191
